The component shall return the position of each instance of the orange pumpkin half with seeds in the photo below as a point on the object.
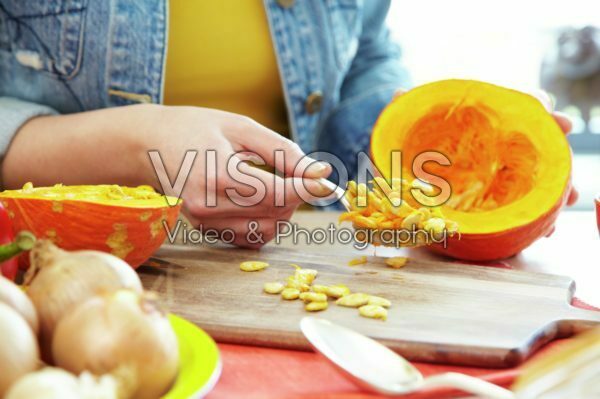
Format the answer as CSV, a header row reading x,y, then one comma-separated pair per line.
x,y
125,221
510,162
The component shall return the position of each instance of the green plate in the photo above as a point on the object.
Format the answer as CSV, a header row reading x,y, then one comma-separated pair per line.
x,y
200,362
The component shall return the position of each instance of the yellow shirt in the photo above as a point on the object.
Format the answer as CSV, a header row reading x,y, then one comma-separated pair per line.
x,y
220,55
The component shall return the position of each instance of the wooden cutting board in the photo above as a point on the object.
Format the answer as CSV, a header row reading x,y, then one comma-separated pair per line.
x,y
441,312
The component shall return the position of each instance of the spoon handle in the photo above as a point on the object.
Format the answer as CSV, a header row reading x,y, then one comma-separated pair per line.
x,y
469,384
339,192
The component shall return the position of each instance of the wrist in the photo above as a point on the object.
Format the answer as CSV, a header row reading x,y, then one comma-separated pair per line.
x,y
14,166
142,132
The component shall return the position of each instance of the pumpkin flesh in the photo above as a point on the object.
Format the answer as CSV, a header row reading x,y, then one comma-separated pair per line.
x,y
510,162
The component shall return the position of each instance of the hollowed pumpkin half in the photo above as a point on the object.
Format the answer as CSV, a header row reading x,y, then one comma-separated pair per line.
x,y
510,162
125,221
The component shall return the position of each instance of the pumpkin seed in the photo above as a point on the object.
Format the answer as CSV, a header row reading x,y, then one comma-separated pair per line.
x,y
358,261
273,288
337,291
396,262
313,297
290,294
379,301
353,300
253,266
316,306
373,312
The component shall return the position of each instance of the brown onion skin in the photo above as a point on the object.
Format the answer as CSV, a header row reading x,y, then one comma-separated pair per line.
x,y
19,353
104,335
58,288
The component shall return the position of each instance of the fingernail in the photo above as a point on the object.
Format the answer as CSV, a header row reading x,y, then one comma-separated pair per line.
x,y
255,159
317,167
322,189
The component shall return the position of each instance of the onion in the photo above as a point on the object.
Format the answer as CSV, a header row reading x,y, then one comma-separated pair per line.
x,y
50,382
57,281
13,296
124,333
45,252
126,273
55,383
19,352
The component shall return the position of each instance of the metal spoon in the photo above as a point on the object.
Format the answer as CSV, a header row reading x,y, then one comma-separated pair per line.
x,y
337,192
376,368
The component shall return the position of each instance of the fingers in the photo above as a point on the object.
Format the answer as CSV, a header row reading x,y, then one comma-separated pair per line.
x,y
246,191
288,191
243,232
398,93
563,121
276,150
573,197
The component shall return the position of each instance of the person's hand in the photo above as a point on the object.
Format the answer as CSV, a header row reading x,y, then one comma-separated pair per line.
x,y
561,119
237,200
112,146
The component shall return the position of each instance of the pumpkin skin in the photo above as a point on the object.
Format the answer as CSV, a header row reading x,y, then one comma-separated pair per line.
x,y
510,166
130,229
597,201
598,212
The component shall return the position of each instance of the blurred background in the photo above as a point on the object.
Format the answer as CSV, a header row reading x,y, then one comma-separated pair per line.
x,y
522,44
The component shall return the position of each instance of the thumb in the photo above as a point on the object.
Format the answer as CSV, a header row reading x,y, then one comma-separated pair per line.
x,y
278,151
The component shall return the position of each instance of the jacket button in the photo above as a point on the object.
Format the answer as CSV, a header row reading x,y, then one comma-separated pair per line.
x,y
286,3
314,102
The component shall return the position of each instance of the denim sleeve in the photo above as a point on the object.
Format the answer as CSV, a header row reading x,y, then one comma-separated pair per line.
x,y
377,62
13,114
375,74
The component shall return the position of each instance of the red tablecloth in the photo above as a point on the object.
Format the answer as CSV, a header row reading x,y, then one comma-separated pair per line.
x,y
263,373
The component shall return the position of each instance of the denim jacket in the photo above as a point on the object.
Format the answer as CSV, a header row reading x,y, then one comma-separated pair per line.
x,y
337,63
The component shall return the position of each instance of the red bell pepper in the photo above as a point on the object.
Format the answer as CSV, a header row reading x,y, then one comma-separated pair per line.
x,y
11,246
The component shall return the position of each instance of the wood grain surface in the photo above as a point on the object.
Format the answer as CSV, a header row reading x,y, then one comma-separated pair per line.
x,y
441,312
